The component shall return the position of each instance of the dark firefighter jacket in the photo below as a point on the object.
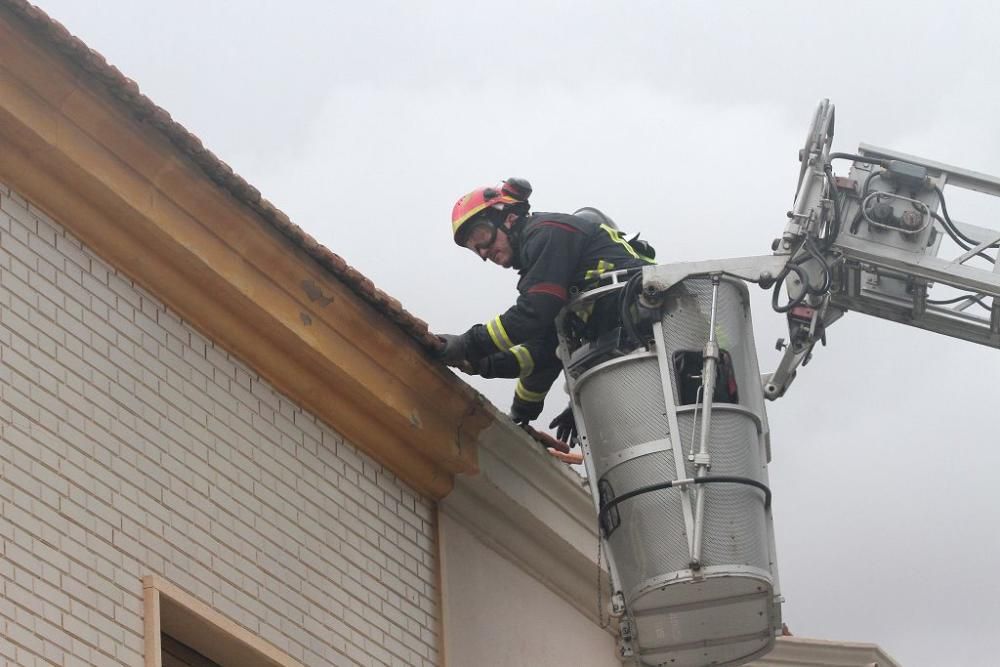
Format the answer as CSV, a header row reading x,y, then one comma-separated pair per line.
x,y
556,255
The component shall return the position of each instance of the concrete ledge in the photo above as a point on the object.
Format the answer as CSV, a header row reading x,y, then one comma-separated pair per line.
x,y
801,652
534,511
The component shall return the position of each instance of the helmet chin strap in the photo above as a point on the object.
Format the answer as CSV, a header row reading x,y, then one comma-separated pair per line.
x,y
514,235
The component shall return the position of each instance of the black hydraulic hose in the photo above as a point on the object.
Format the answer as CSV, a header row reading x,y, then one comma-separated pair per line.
x,y
953,233
864,191
800,272
861,201
814,254
711,479
951,230
960,239
945,302
944,218
978,300
868,182
944,212
624,307
834,229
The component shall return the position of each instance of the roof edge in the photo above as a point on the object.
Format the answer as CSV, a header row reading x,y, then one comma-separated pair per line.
x,y
126,91
147,209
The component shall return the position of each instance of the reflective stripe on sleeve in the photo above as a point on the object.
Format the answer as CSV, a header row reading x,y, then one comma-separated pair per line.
x,y
616,236
528,395
602,268
498,334
524,361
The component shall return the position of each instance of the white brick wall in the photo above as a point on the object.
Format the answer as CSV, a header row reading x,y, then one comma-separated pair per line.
x,y
131,445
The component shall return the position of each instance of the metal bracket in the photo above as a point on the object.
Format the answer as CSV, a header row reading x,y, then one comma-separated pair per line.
x,y
762,269
616,606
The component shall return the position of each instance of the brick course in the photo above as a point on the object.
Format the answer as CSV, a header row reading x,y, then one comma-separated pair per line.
x,y
131,445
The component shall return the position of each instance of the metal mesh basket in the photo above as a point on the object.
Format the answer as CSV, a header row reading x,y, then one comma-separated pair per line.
x,y
725,601
623,407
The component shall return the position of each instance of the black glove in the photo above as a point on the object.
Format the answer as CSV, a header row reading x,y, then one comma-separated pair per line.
x,y
565,426
498,365
454,350
522,412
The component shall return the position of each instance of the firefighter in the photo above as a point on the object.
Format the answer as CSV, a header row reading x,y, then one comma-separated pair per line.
x,y
555,255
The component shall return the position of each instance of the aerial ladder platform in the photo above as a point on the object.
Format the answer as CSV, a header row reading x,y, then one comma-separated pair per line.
x,y
670,405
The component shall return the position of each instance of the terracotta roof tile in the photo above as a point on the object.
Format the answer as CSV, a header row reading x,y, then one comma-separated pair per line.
x,y
141,107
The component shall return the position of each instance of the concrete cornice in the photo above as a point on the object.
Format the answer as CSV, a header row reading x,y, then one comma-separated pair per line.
x,y
801,652
128,192
131,195
533,510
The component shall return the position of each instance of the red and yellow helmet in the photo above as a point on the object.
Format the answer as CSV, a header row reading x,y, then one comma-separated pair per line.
x,y
510,192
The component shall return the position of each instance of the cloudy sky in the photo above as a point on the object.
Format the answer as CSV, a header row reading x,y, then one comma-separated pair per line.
x,y
682,120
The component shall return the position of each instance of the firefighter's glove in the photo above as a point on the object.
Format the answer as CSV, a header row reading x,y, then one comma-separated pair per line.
x,y
498,365
523,412
467,368
453,351
565,426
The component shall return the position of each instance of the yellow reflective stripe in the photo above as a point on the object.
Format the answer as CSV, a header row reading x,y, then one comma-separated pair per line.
x,y
498,334
616,236
602,267
528,395
524,360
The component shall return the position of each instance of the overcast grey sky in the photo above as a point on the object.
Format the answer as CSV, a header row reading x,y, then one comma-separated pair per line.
x,y
682,120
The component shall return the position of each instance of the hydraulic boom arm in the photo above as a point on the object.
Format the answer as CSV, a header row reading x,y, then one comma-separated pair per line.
x,y
869,242
670,407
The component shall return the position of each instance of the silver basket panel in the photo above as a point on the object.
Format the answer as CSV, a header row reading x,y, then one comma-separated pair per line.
x,y
622,402
735,520
724,611
686,319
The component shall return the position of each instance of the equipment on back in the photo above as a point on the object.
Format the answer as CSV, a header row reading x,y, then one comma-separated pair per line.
x,y
595,215
641,247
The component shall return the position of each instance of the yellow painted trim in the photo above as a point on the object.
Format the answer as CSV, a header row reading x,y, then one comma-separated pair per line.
x,y
136,200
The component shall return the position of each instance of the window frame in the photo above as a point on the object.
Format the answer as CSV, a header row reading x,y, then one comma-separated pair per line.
x,y
167,608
